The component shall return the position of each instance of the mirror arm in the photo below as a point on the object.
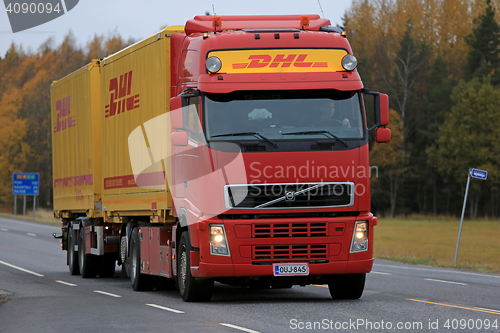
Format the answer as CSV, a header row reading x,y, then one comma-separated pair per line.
x,y
190,92
377,107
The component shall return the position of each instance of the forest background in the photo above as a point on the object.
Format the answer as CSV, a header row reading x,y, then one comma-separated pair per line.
x,y
437,59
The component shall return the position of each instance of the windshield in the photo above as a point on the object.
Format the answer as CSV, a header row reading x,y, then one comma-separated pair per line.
x,y
280,115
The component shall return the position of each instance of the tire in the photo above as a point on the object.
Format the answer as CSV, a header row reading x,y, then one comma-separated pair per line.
x,y
347,286
86,262
125,258
107,267
140,282
191,289
73,264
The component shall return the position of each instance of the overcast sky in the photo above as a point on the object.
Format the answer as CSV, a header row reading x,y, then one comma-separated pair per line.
x,y
141,18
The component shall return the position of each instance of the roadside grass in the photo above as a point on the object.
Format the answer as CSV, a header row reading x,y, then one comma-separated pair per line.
x,y
42,215
432,241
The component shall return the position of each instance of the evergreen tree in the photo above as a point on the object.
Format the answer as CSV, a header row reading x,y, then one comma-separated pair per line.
x,y
484,46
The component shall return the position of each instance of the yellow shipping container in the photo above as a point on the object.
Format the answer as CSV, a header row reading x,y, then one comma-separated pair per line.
x,y
106,161
76,147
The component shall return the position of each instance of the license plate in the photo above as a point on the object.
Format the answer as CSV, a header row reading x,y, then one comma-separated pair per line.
x,y
290,269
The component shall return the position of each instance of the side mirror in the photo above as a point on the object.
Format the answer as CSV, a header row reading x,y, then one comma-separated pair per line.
x,y
381,108
384,109
382,135
176,112
179,139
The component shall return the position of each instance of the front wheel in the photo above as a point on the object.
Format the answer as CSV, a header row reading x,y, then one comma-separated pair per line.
x,y
347,286
191,289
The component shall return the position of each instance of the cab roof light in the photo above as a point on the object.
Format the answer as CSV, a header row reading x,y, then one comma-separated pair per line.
x,y
296,35
304,21
343,34
217,22
205,35
257,36
276,35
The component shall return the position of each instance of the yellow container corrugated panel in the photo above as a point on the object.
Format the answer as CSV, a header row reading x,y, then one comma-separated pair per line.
x,y
111,134
135,91
76,130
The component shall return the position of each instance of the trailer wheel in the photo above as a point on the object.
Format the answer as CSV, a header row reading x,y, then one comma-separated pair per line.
x,y
191,289
87,262
347,286
73,264
140,282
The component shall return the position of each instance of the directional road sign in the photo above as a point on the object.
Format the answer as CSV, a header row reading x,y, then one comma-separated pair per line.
x,y
25,183
479,174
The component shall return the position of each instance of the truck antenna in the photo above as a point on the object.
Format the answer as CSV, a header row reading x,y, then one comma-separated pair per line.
x,y
319,3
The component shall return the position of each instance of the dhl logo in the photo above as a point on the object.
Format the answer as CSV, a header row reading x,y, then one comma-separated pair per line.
x,y
121,99
280,60
64,121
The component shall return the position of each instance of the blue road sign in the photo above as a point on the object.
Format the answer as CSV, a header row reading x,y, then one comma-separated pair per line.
x,y
25,183
479,174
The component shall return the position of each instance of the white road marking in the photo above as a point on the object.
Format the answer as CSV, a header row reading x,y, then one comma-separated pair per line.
x,y
487,309
66,283
30,234
442,270
463,284
382,273
165,308
19,268
105,293
3,229
239,328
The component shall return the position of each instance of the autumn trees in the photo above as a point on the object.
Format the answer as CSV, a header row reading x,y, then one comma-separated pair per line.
x,y
25,124
425,53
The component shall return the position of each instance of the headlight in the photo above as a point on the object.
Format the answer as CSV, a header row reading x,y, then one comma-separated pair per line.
x,y
349,62
218,243
360,237
213,64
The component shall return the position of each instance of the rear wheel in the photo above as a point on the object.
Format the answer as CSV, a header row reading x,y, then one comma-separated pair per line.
x,y
191,289
87,262
125,259
72,254
140,282
347,286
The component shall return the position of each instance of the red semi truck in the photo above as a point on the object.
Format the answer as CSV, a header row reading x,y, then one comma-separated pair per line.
x,y
233,149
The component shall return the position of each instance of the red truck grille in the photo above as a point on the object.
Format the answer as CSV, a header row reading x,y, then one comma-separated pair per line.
x,y
290,252
285,230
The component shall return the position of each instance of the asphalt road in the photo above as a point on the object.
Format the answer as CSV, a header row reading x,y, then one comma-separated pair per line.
x,y
43,297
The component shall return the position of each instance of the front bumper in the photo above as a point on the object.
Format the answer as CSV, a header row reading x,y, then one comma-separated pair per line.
x,y
244,270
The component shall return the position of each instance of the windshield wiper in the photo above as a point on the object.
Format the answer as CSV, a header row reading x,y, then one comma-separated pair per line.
x,y
248,133
318,132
